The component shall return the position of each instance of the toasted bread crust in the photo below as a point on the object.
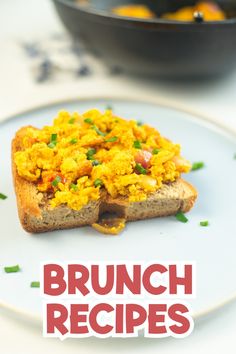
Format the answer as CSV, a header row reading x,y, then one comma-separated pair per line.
x,y
27,197
36,216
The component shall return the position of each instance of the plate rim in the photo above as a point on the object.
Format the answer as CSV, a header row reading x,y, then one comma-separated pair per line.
x,y
119,97
204,118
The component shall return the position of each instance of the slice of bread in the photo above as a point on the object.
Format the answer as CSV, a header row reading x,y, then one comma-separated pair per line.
x,y
36,215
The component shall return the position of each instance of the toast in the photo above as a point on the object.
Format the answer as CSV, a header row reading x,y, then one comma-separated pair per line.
x,y
36,214
128,203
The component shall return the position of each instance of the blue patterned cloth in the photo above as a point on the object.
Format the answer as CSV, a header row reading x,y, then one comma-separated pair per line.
x,y
59,57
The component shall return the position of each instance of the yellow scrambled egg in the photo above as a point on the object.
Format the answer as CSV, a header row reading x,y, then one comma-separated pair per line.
x,y
210,10
132,10
79,156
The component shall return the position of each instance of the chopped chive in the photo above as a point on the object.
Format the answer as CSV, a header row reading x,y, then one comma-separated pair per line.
x,y
139,168
235,156
181,217
3,196
96,163
139,123
137,144
53,141
197,165
109,107
90,153
98,182
155,151
88,121
53,137
74,141
71,121
204,223
12,269
35,284
98,131
74,187
112,139
56,181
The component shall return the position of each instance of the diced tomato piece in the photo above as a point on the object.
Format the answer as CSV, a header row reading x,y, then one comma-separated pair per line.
x,y
54,175
143,157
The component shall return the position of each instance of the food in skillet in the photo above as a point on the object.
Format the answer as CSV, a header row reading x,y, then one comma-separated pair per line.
x,y
209,10
138,11
82,166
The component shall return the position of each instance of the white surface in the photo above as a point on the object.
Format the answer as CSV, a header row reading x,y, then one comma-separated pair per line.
x,y
26,18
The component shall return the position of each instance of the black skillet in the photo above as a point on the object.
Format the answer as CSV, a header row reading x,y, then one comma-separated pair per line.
x,y
154,47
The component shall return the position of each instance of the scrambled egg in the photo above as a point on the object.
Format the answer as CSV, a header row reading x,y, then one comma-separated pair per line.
x,y
79,156
210,10
134,10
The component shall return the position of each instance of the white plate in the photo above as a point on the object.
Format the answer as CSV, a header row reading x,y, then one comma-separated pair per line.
x,y
213,247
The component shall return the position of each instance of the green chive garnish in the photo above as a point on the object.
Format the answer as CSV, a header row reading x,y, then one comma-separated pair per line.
x,y
181,217
111,140
35,284
98,131
155,151
3,196
197,165
137,144
71,121
74,141
109,107
90,153
56,181
53,137
139,123
96,163
235,156
74,187
88,121
12,269
139,168
98,182
204,223
53,141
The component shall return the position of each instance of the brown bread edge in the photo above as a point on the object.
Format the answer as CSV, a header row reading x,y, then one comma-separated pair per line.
x,y
36,216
